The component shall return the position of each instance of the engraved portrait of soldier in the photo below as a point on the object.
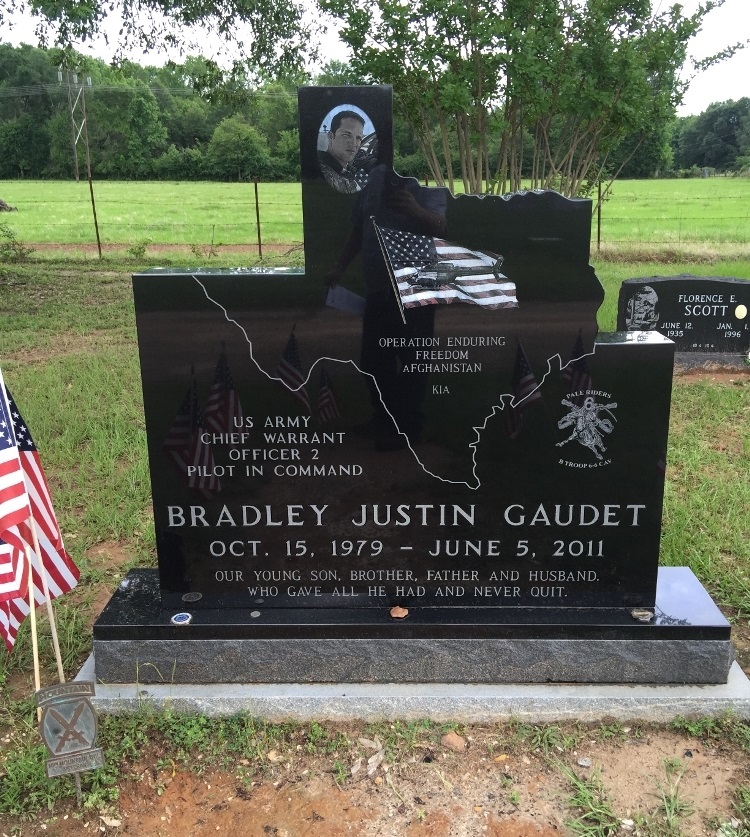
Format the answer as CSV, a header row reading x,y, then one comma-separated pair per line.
x,y
347,148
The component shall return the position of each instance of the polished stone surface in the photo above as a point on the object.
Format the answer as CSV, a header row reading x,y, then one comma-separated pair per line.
x,y
556,504
453,438
687,642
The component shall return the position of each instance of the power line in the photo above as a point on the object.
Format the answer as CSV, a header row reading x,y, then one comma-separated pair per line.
x,y
41,89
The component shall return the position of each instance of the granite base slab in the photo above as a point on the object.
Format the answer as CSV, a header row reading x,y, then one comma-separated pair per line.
x,y
688,641
440,702
711,361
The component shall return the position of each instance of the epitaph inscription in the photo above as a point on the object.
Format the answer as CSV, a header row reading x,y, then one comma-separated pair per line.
x,y
700,314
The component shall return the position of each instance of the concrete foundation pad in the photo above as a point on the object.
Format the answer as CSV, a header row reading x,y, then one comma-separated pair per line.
x,y
469,703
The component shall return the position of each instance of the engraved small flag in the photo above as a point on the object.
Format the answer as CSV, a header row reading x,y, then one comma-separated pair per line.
x,y
223,410
290,371
327,407
525,391
187,449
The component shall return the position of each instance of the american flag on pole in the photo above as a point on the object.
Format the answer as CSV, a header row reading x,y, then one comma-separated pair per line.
x,y
223,410
189,452
525,391
576,374
52,559
14,572
12,613
432,271
290,371
327,407
14,507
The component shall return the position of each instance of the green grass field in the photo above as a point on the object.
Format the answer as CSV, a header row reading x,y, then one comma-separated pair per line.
x,y
69,354
669,213
713,211
198,214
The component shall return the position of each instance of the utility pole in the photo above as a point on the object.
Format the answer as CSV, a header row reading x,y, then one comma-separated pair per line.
x,y
79,131
71,112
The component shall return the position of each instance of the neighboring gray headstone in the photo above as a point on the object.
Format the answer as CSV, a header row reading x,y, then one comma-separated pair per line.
x,y
703,315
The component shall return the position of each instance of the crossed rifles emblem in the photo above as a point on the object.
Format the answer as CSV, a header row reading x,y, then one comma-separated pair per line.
x,y
68,727
68,723
69,731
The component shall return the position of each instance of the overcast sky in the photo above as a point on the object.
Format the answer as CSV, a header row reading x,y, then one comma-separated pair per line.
x,y
728,80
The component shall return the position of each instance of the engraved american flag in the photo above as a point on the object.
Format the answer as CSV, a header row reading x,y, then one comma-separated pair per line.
x,y
290,371
432,271
223,410
525,392
188,450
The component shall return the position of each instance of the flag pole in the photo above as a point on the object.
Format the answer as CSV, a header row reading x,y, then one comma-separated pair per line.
x,y
48,601
53,629
34,637
389,266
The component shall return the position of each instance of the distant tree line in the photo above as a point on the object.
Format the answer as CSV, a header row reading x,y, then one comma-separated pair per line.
x,y
189,122
718,138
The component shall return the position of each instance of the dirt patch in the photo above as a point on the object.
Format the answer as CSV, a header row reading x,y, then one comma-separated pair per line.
x,y
67,344
637,772
516,793
225,249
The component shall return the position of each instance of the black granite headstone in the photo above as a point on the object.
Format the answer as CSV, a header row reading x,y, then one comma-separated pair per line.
x,y
700,314
424,418
463,442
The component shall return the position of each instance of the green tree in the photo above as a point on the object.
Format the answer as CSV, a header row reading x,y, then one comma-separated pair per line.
x,y
270,35
146,136
28,82
644,155
337,73
716,137
237,151
180,164
286,155
574,78
24,147
273,109
60,160
188,122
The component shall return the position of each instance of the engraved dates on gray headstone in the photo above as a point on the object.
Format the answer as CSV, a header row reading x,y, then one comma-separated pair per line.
x,y
707,315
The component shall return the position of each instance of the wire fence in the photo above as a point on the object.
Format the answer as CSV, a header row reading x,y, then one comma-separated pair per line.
x,y
240,215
